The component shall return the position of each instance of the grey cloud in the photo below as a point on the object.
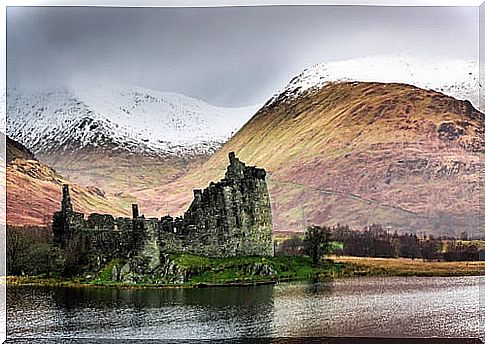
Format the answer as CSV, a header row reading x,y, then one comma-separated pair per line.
x,y
229,56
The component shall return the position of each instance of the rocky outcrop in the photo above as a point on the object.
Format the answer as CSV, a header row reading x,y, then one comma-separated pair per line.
x,y
16,150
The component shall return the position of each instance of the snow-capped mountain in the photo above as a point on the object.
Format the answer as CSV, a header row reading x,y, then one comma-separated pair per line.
x,y
456,78
122,118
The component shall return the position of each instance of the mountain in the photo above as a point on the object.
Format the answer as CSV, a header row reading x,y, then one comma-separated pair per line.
x,y
118,118
359,153
347,142
34,191
119,138
456,78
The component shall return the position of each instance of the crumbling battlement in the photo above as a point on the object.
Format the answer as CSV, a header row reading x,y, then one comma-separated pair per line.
x,y
229,218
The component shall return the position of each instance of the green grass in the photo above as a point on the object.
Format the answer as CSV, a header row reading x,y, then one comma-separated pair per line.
x,y
336,245
219,270
240,270
104,276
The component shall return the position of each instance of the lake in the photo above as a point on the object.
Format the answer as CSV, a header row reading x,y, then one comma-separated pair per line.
x,y
388,306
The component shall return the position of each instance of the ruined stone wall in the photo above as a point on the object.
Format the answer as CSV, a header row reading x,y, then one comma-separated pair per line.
x,y
229,218
96,240
148,250
106,245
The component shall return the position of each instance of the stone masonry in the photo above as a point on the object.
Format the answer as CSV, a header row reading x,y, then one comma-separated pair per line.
x,y
229,218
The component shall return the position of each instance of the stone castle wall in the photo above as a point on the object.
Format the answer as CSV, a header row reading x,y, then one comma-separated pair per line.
x,y
229,218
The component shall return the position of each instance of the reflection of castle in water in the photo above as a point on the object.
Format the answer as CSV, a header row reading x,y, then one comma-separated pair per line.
x,y
160,313
229,218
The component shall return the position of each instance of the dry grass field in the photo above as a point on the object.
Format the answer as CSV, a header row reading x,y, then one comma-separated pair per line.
x,y
410,267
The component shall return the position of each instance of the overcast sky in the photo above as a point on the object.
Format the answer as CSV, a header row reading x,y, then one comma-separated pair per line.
x,y
233,56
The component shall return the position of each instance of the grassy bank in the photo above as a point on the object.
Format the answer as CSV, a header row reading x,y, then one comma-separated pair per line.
x,y
195,271
198,271
242,269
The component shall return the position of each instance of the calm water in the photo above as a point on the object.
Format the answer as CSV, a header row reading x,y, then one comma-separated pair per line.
x,y
398,307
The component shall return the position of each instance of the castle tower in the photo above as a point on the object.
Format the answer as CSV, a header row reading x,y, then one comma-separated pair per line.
x,y
235,170
135,211
66,205
66,220
233,216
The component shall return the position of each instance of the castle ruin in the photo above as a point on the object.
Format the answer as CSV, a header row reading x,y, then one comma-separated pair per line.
x,y
229,218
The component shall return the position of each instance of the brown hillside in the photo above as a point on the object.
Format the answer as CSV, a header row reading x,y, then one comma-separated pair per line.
x,y
119,174
357,153
34,194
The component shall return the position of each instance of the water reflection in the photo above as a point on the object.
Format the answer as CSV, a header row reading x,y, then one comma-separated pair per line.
x,y
148,313
406,307
319,287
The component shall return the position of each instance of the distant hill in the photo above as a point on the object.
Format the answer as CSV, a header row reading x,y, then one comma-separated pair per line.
x,y
118,119
34,191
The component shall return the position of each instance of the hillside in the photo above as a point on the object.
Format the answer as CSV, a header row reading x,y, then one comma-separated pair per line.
x,y
358,153
34,191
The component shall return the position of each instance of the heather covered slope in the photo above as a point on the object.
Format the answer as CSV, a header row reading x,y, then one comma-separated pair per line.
x,y
34,191
360,153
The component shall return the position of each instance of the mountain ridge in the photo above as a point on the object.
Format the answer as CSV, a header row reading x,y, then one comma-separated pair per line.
x,y
453,77
119,138
114,117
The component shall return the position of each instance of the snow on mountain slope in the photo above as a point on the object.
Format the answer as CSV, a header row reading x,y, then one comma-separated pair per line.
x,y
456,78
121,118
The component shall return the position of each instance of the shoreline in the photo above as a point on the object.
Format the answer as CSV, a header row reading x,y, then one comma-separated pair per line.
x,y
350,267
